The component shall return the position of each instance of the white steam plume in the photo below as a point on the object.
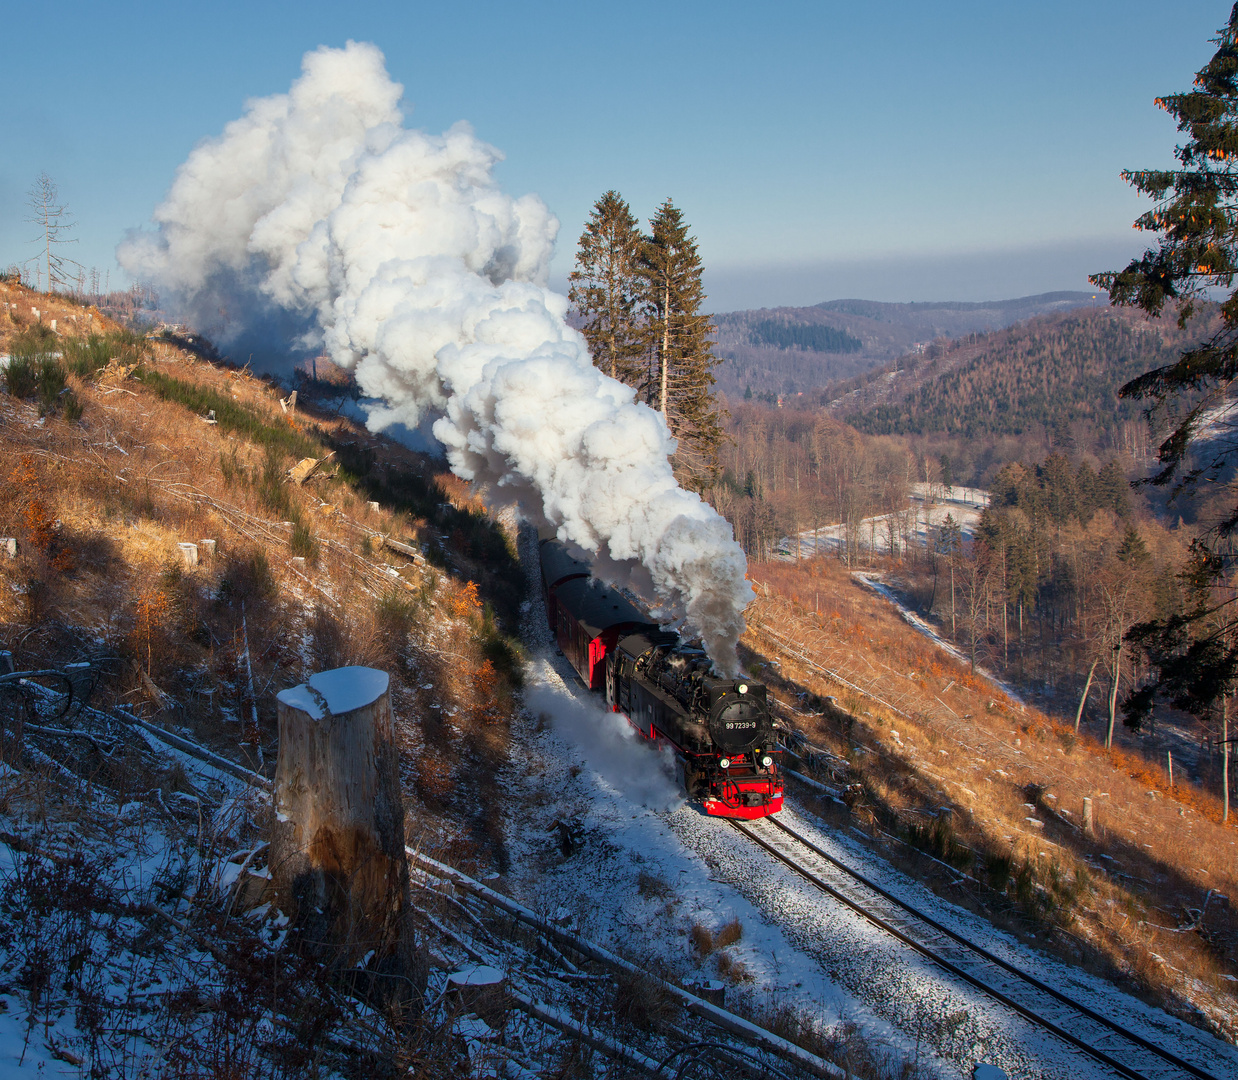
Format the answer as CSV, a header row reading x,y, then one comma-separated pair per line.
x,y
318,215
624,761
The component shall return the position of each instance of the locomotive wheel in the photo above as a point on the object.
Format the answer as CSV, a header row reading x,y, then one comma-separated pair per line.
x,y
686,777
681,777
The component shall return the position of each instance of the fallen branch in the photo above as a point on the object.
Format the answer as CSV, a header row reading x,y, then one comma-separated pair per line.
x,y
562,1021
728,1021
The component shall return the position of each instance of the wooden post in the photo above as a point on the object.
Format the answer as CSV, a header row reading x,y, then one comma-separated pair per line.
x,y
1088,826
1170,754
338,864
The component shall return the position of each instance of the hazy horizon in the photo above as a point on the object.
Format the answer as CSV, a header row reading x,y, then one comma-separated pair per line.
x,y
895,152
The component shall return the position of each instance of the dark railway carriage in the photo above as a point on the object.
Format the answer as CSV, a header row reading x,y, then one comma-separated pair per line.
x,y
587,617
558,567
590,618
720,729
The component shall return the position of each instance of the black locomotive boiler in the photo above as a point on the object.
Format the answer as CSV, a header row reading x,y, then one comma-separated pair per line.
x,y
719,729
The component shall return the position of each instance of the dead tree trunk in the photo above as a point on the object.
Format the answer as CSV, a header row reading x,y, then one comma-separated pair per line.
x,y
338,862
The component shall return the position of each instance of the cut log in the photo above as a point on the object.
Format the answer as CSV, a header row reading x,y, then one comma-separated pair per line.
x,y
306,467
338,863
404,549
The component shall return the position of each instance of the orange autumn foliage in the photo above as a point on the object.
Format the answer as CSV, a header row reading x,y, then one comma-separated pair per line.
x,y
485,684
465,602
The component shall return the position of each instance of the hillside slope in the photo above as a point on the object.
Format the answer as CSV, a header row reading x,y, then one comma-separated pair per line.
x,y
1055,373
121,449
139,936
788,350
909,730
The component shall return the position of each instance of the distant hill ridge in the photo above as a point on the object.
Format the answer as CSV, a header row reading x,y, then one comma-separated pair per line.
x,y
1058,373
789,349
1033,305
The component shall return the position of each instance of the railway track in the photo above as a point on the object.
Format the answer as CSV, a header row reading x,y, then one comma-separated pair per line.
x,y
1125,1052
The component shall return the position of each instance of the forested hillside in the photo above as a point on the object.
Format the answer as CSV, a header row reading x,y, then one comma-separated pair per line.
x,y
791,350
1055,377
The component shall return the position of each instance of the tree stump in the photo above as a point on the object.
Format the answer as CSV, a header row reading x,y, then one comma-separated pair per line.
x,y
338,864
481,990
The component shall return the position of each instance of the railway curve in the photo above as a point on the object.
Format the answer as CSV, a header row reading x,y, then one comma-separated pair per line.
x,y
1126,1052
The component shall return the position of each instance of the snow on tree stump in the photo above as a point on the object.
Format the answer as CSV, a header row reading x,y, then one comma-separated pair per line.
x,y
711,990
338,863
481,990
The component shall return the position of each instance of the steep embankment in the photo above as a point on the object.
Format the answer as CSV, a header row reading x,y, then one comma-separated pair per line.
x,y
914,731
203,541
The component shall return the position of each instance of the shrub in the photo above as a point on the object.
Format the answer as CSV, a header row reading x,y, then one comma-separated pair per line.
x,y
232,416
653,886
247,577
71,406
734,971
21,377
702,940
272,492
644,1003
34,342
85,356
303,543
997,869
938,839
51,383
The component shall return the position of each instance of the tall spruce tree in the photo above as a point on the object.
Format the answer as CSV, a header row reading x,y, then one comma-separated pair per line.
x,y
606,289
1195,654
678,335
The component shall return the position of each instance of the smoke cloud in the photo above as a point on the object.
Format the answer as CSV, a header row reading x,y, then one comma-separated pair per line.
x,y
319,221
609,744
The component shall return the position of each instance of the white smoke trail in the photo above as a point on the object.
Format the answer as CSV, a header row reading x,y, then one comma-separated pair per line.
x,y
318,215
610,745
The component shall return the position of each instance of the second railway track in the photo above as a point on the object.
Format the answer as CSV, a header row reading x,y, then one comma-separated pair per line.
x,y
1127,1053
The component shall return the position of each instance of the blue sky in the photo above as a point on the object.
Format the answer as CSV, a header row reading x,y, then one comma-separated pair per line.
x,y
901,151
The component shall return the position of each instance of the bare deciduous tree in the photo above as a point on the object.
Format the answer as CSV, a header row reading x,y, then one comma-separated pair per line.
x,y
55,223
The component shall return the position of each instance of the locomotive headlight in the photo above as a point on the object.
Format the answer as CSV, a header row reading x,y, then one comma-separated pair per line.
x,y
767,761
742,688
725,762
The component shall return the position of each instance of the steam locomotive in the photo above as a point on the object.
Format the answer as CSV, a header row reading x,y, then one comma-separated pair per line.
x,y
720,729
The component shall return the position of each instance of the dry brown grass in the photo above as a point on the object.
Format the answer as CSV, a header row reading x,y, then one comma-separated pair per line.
x,y
701,938
730,933
99,506
1114,901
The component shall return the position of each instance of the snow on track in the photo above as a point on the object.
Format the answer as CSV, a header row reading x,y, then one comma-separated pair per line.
x,y
798,944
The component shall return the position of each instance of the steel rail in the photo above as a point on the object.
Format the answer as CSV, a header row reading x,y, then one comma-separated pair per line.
x,y
992,991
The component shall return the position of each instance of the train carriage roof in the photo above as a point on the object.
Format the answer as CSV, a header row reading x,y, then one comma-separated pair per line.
x,y
558,565
598,607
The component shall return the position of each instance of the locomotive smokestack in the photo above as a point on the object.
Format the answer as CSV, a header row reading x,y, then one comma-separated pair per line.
x,y
318,214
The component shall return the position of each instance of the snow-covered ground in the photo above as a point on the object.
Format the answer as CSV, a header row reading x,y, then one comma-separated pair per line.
x,y
648,867
106,866
927,508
